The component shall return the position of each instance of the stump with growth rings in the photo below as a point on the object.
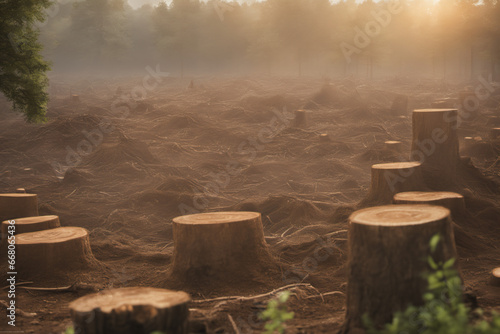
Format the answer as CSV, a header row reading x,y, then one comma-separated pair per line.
x,y
131,310
218,243
18,205
391,178
30,224
388,248
394,145
49,252
450,200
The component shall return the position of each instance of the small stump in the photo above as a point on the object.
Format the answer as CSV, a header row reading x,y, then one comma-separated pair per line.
x,y
75,98
400,105
324,138
495,277
391,178
18,206
435,145
131,311
21,191
388,248
213,244
46,253
394,145
450,200
300,120
445,103
495,133
30,224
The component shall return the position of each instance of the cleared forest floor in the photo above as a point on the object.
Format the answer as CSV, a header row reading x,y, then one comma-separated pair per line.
x,y
123,171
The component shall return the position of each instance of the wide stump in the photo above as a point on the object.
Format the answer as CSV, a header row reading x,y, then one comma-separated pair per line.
x,y
46,253
388,248
218,243
29,224
435,145
131,311
391,178
450,200
18,206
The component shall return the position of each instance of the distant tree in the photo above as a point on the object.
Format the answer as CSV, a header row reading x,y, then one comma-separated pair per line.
x,y
23,78
97,34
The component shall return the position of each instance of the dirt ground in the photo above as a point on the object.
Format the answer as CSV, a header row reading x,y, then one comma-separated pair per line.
x,y
123,169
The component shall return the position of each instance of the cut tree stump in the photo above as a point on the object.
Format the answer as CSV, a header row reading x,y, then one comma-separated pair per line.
x,y
46,253
21,191
495,277
400,105
388,248
391,178
495,133
133,310
30,224
18,206
213,244
324,138
450,200
75,98
435,145
393,145
300,120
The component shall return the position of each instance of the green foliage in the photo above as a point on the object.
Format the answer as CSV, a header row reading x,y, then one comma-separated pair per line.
x,y
70,330
23,70
277,314
443,311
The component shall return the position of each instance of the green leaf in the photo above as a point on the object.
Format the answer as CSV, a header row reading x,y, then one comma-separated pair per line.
x,y
449,264
434,242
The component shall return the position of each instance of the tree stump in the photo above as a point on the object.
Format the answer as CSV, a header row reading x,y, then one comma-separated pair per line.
x,y
444,103
495,277
400,105
324,138
214,244
131,311
450,200
46,253
18,206
21,191
75,98
300,120
30,224
435,145
394,145
388,248
495,133
391,178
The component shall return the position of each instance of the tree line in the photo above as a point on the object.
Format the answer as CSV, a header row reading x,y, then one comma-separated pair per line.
x,y
450,39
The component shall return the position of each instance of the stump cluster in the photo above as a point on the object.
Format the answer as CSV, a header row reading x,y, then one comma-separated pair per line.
x,y
131,310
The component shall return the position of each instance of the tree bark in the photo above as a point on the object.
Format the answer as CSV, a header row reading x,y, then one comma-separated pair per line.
x,y
435,145
18,206
131,310
218,243
49,252
391,178
388,248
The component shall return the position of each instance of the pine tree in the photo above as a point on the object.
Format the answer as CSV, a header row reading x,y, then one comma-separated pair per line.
x,y
23,78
